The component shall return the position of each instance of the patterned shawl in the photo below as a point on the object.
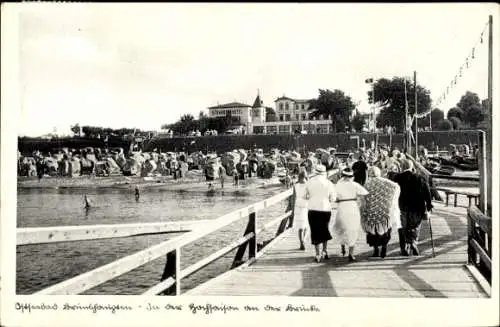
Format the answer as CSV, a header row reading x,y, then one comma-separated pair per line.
x,y
380,205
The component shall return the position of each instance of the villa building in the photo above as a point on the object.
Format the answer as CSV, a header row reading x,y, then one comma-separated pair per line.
x,y
289,116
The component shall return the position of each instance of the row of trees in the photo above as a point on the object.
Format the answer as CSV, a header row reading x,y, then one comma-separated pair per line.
x,y
468,113
188,123
103,132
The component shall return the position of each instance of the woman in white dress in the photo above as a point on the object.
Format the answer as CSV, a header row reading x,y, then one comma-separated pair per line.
x,y
300,208
348,220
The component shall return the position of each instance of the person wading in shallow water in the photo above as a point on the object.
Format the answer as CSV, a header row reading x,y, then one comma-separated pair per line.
x,y
236,177
137,194
87,202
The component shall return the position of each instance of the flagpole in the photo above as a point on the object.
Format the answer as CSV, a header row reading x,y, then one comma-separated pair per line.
x,y
416,117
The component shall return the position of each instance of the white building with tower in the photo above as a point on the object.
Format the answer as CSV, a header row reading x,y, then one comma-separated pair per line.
x,y
288,117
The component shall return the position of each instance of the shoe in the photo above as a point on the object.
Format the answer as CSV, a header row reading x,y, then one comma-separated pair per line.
x,y
414,250
302,247
383,253
343,250
351,258
317,259
375,252
325,255
406,251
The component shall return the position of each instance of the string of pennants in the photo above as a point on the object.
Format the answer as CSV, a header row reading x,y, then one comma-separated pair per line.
x,y
467,63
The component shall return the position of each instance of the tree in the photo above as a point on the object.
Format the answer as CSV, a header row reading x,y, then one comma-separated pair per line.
x,y
336,104
76,129
391,95
202,115
472,108
456,122
474,115
468,100
455,112
270,114
187,117
358,122
445,125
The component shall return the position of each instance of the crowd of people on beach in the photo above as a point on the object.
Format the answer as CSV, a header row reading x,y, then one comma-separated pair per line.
x,y
379,192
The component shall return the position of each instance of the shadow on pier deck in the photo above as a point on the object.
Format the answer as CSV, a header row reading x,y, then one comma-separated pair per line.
x,y
283,270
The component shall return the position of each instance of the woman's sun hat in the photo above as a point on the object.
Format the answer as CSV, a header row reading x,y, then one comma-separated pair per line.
x,y
320,169
347,172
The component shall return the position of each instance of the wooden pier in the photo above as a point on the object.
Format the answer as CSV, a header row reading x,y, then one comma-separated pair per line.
x,y
283,270
459,266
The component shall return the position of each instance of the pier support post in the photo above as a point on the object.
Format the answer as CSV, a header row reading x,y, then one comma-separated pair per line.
x,y
252,243
170,271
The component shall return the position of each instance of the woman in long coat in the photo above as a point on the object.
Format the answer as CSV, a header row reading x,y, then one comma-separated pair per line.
x,y
348,220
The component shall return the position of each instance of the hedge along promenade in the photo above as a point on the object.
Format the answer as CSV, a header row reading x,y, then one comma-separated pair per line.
x,y
343,142
224,143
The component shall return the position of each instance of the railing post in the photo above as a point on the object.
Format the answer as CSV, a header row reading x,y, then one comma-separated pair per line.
x,y
472,259
170,270
238,257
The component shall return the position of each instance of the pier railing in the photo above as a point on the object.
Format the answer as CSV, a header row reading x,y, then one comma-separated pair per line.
x,y
170,282
479,246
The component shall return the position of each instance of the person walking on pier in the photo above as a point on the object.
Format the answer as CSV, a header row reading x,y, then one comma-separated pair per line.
x,y
348,220
320,193
414,202
359,170
300,209
380,211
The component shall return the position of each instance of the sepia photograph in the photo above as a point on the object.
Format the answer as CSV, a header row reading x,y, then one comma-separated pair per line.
x,y
251,150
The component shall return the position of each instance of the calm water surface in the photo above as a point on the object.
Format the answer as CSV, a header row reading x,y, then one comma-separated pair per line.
x,y
39,266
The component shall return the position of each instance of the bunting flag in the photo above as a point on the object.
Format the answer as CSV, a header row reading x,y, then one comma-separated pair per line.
x,y
466,64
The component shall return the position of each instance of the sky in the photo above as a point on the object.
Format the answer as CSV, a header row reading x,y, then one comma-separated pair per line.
x,y
144,65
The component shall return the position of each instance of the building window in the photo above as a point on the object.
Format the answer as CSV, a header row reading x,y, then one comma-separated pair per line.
x,y
303,106
287,117
304,116
271,129
281,105
296,107
258,129
286,106
284,129
323,128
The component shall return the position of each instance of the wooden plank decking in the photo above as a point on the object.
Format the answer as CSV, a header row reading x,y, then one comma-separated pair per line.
x,y
286,271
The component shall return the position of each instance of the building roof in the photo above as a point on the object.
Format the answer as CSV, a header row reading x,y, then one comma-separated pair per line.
x,y
295,100
230,105
258,102
283,98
